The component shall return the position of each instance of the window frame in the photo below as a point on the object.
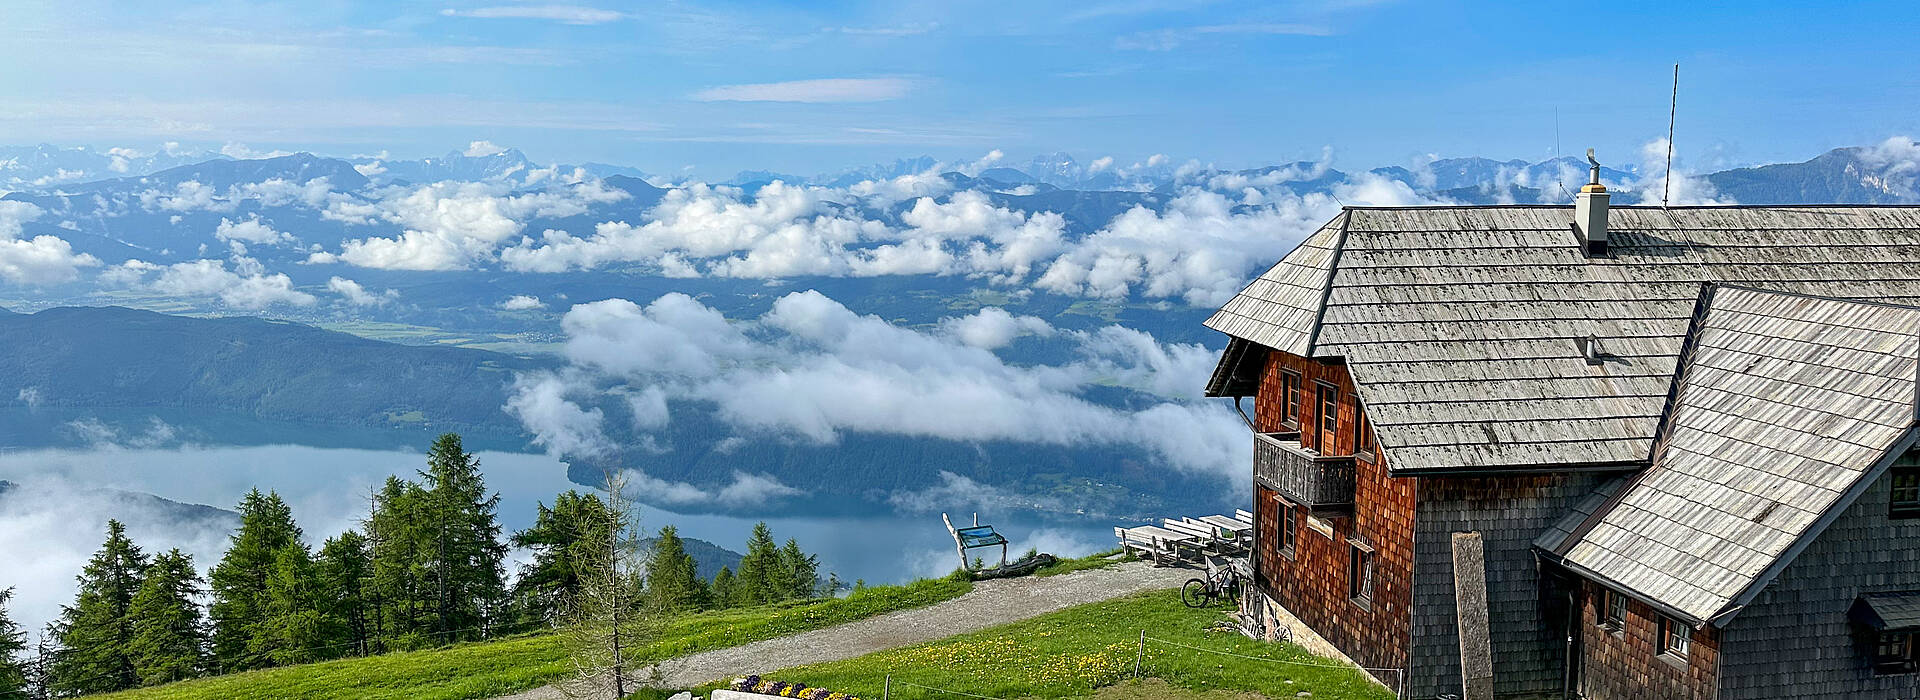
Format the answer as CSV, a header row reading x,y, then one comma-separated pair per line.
x,y
1909,507
1289,528
1363,442
1613,611
1901,662
1360,574
1674,639
1326,423
1290,394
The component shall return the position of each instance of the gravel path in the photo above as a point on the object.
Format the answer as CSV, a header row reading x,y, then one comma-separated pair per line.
x,y
990,603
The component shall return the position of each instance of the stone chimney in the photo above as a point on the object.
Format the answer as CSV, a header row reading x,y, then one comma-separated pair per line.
x,y
1590,211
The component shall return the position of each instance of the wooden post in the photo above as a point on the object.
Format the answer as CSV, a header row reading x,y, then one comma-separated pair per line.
x,y
1141,654
1470,610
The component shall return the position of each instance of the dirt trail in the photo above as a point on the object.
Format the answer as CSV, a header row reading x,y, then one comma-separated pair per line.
x,y
990,603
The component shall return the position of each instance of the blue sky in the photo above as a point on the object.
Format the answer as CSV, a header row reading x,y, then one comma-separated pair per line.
x,y
718,86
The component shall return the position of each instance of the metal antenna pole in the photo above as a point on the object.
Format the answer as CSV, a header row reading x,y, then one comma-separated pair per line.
x,y
1673,105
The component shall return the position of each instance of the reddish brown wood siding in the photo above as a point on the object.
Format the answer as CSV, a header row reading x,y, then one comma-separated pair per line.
x,y
1627,663
1313,583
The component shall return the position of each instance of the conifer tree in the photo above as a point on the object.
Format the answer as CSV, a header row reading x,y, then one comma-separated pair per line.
x,y
96,631
611,618
559,537
672,579
757,581
296,629
169,637
239,581
398,541
13,644
723,588
799,572
344,569
466,555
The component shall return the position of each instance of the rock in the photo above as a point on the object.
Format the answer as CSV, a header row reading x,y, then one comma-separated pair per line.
x,y
682,695
1303,694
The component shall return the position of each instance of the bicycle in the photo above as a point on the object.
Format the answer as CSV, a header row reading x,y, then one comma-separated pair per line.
x,y
1221,584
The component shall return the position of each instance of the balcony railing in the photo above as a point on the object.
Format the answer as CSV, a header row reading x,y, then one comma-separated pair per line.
x,y
1322,483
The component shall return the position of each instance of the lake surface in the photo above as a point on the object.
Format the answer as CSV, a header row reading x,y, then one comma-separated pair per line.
x,y
53,523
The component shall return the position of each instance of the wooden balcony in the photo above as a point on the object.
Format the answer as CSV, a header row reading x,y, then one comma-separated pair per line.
x,y
1322,483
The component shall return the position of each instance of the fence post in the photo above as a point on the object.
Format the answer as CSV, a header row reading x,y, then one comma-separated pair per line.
x,y
886,693
1138,655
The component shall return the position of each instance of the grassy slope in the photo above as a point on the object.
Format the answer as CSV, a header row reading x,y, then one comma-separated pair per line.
x,y
486,669
1077,651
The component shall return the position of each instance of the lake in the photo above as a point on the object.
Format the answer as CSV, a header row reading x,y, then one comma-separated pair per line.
x,y
56,519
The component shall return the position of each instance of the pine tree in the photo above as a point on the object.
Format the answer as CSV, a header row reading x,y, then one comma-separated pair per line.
x,y
673,582
239,581
400,591
169,637
96,630
467,556
13,666
296,629
756,583
548,586
723,588
344,569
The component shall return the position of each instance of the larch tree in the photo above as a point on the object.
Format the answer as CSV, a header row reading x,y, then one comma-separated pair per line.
x,y
96,631
467,557
239,581
169,636
14,676
611,616
297,629
673,583
344,569
548,585
757,581
723,587
398,541
799,572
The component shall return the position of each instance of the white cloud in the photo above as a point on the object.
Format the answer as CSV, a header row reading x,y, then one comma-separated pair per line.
x,y
521,302
41,260
452,225
992,328
356,294
822,90
247,286
564,14
482,149
1686,188
811,369
252,230
240,151
1170,39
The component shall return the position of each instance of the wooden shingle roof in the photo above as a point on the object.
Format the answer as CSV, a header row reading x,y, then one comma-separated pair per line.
x,y
1785,407
1459,324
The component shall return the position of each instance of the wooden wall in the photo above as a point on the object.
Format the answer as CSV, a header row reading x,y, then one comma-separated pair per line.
x,y
1526,616
1794,639
1313,584
1626,664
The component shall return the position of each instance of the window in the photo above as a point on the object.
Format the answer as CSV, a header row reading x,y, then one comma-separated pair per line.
x,y
1360,574
1893,652
1329,419
1614,611
1674,639
1906,493
1289,528
1290,398
1363,442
